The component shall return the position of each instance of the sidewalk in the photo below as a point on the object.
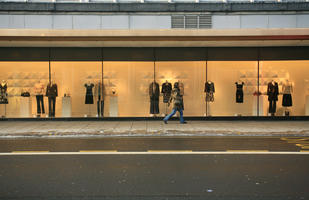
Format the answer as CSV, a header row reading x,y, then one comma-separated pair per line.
x,y
152,128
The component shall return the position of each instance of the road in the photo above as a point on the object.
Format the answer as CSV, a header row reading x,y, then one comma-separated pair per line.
x,y
220,168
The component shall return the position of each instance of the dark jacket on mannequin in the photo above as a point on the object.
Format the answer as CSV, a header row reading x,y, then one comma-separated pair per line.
x,y
166,88
209,87
272,91
52,90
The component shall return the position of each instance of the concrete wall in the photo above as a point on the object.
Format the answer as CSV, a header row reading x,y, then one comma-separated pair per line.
x,y
126,21
260,21
85,21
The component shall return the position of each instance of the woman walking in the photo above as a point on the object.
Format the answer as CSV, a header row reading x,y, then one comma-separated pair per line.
x,y
177,104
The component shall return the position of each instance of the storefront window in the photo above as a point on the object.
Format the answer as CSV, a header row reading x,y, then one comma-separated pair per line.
x,y
231,88
77,85
292,80
191,76
127,88
125,82
18,94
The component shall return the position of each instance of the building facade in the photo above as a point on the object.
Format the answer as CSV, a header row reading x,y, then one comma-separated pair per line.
x,y
98,59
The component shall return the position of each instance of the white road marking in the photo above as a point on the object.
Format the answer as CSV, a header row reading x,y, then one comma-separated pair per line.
x,y
162,153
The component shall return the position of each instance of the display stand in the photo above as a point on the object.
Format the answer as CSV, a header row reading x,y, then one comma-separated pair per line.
x,y
113,106
89,111
25,107
208,113
238,108
4,108
66,107
307,105
261,106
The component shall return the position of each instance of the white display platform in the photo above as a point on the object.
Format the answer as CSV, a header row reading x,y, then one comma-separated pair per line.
x,y
66,107
113,106
307,105
262,111
25,107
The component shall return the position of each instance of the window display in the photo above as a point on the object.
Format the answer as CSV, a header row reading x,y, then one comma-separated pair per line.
x,y
142,89
190,76
224,76
76,81
291,78
20,78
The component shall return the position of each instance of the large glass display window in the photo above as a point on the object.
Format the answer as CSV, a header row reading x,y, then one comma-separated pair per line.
x,y
285,88
190,76
22,85
232,88
75,89
127,88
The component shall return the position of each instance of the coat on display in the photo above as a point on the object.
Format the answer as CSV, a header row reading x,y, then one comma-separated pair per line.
x,y
272,92
154,94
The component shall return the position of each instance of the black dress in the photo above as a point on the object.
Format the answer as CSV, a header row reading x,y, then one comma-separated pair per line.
x,y
239,92
89,94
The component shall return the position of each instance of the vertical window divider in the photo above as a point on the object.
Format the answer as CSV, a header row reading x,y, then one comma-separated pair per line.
x,y
102,67
258,83
206,70
154,64
49,70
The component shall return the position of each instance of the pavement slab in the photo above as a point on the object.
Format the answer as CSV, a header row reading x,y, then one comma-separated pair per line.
x,y
152,128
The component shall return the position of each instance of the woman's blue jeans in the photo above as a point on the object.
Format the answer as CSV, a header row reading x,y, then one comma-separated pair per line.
x,y
173,113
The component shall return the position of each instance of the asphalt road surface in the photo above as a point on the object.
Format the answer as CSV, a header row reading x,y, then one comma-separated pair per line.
x,y
155,168
155,143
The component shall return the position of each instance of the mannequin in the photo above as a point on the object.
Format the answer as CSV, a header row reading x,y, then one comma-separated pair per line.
x,y
3,92
154,93
100,95
209,90
166,91
272,92
239,91
287,90
52,93
89,95
39,91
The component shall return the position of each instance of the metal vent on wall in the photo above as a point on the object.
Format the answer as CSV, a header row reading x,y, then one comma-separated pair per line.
x,y
191,21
